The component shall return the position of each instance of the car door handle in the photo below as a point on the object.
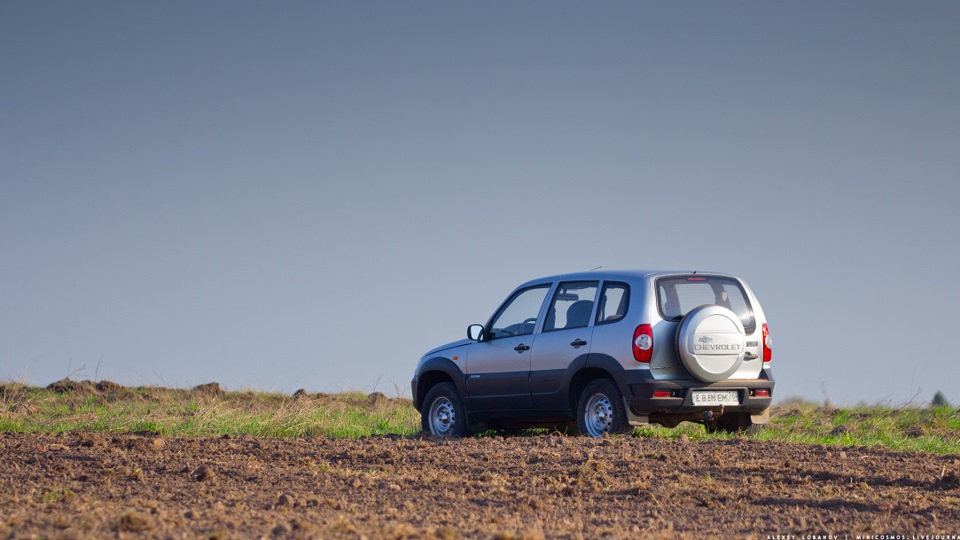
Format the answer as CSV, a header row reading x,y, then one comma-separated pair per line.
x,y
577,343
521,347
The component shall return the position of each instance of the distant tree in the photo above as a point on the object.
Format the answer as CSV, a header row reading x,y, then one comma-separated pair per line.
x,y
939,400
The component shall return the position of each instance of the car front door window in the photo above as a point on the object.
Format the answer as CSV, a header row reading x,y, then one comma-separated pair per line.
x,y
518,317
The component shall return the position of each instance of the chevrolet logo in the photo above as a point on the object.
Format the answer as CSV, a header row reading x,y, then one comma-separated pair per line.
x,y
705,339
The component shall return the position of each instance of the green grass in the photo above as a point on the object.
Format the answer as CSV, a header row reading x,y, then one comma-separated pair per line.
x,y
186,412
911,428
81,406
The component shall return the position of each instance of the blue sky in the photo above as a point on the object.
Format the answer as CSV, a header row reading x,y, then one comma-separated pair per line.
x,y
295,194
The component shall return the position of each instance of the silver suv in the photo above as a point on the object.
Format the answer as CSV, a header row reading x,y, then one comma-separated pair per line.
x,y
608,351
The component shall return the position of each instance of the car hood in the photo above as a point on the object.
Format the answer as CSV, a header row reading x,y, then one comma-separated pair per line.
x,y
450,345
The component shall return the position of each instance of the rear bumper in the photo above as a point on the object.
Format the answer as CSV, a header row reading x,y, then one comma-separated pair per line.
x,y
640,388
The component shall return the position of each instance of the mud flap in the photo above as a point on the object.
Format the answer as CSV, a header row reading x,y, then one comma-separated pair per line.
x,y
633,419
474,426
762,418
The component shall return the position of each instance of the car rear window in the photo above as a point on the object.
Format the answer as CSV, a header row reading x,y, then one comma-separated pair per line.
x,y
676,296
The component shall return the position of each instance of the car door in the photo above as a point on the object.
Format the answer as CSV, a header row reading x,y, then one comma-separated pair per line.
x,y
563,341
498,366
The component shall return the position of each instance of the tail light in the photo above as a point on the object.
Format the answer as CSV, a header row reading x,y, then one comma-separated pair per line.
x,y
643,343
767,344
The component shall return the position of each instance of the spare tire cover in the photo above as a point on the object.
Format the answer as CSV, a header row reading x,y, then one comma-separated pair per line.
x,y
711,342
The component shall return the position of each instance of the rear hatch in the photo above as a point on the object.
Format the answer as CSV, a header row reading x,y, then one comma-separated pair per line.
x,y
678,295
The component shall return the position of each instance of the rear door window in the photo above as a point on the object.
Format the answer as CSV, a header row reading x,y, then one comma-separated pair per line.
x,y
572,306
677,296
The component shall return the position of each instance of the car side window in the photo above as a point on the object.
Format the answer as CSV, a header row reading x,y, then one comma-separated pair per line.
x,y
518,316
572,305
613,302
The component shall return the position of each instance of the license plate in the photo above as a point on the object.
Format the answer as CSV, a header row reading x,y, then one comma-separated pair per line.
x,y
706,398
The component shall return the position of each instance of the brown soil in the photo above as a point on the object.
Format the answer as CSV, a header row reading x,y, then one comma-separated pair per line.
x,y
144,485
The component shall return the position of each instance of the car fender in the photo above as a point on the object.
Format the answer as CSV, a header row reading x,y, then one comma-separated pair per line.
x,y
612,366
437,365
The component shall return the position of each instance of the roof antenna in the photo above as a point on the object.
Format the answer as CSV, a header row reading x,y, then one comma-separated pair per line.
x,y
694,272
597,268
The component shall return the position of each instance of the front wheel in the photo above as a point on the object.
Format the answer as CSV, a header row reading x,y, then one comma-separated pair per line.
x,y
443,413
600,410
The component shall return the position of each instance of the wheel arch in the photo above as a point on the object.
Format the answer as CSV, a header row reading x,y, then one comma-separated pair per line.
x,y
597,366
580,381
435,371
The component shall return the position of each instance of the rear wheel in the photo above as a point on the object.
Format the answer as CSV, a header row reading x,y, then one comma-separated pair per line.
x,y
600,410
443,413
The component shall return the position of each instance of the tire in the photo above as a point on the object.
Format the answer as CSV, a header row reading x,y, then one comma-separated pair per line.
x,y
600,410
711,342
734,423
443,413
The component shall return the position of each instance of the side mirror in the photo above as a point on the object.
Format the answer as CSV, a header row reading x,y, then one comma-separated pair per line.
x,y
475,332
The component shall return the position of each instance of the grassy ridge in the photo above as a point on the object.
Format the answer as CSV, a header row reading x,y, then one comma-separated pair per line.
x,y
206,410
924,429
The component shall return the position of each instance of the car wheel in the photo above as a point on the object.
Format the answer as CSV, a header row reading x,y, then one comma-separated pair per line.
x,y
600,410
443,413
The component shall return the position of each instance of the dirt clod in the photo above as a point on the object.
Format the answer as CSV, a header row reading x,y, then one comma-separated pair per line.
x,y
203,474
948,481
211,388
66,385
107,386
133,522
840,430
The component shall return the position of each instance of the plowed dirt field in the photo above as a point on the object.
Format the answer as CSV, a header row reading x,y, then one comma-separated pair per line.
x,y
144,485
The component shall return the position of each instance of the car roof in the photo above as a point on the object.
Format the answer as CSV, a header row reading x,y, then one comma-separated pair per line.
x,y
621,274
